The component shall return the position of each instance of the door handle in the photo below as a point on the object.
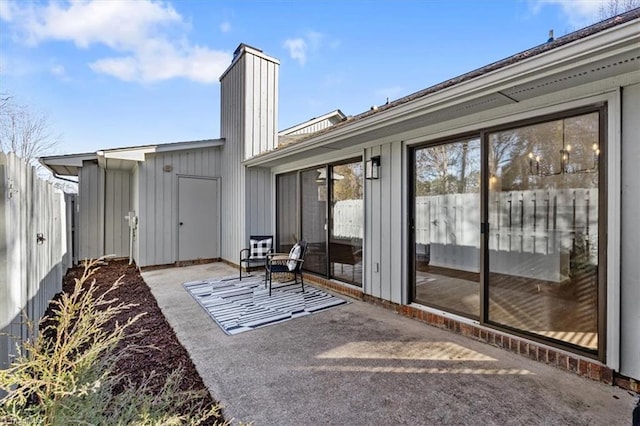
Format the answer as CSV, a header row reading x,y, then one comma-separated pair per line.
x,y
181,223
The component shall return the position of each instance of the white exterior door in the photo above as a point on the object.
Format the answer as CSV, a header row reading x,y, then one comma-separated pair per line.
x,y
198,218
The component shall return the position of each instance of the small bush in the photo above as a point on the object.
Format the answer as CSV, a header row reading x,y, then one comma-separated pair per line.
x,y
66,375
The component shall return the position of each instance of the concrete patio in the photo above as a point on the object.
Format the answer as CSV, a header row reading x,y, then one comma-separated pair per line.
x,y
361,364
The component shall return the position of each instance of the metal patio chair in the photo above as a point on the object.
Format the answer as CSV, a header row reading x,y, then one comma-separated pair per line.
x,y
287,263
256,255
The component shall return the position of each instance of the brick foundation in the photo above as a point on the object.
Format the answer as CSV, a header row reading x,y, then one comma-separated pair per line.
x,y
558,358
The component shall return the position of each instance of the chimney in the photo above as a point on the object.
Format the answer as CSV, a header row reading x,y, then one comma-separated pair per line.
x,y
249,102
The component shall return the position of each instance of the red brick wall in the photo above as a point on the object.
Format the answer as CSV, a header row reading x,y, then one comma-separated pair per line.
x,y
563,360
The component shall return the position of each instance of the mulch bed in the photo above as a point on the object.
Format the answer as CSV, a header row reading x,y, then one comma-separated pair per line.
x,y
167,354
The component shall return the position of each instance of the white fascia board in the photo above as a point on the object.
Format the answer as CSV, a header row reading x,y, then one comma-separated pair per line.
x,y
66,165
69,160
138,153
605,44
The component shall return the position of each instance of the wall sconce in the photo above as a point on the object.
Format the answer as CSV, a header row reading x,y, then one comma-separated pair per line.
x,y
372,168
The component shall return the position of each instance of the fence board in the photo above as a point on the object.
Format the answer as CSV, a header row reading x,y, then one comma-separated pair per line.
x,y
31,268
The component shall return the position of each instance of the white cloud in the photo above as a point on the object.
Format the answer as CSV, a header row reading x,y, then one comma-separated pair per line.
x,y
308,45
297,49
225,27
59,71
579,12
143,32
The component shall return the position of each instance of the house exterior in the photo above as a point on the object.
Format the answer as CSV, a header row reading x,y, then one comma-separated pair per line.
x,y
500,204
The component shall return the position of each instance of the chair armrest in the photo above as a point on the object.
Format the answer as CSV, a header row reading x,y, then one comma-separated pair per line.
x,y
243,250
273,254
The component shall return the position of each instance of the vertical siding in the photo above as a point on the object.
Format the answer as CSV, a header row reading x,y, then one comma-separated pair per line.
x,y
135,206
386,235
630,237
249,121
232,117
373,231
31,271
91,211
158,216
116,206
261,101
397,284
327,122
384,224
258,202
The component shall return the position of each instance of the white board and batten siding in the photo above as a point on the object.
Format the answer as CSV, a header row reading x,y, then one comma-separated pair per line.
x,y
249,119
630,235
117,204
258,201
135,207
316,127
232,113
158,204
384,250
91,211
104,200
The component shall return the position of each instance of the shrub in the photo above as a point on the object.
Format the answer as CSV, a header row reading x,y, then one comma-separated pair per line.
x,y
66,375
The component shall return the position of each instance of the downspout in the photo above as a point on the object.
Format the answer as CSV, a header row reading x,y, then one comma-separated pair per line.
x,y
57,176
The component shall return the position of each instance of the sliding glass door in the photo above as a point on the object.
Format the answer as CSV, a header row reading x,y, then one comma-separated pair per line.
x,y
324,207
505,228
543,240
314,218
447,226
286,211
347,222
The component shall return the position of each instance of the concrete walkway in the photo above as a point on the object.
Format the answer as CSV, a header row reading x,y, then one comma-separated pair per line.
x,y
360,364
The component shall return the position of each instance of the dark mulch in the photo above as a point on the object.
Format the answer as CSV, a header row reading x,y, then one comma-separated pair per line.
x,y
167,354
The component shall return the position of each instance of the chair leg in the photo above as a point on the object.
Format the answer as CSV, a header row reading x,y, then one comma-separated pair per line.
x,y
270,279
302,281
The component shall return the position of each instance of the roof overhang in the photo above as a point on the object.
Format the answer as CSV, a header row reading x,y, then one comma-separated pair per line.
x,y
605,54
120,158
337,114
66,165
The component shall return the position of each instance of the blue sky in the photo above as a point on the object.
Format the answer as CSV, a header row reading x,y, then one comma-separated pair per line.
x,y
115,73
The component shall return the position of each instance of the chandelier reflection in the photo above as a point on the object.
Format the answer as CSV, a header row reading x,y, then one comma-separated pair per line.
x,y
566,167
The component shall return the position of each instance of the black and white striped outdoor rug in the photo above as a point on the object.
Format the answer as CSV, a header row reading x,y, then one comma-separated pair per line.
x,y
238,306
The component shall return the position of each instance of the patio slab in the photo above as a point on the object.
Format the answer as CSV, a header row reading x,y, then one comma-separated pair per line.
x,y
362,364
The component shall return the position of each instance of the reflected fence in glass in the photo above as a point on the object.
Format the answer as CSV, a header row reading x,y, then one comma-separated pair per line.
x,y
543,236
447,227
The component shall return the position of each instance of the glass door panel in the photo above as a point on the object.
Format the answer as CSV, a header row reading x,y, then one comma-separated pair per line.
x,y
347,223
543,236
314,218
447,226
286,211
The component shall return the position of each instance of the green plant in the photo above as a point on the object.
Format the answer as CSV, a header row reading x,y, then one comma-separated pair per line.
x,y
66,375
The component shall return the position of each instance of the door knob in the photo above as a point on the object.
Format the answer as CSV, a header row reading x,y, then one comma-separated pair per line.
x,y
181,223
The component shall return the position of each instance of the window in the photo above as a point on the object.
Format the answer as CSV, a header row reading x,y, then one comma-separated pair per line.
x,y
544,219
330,215
538,269
447,226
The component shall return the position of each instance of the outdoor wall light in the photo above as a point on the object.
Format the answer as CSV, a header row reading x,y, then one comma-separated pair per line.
x,y
372,168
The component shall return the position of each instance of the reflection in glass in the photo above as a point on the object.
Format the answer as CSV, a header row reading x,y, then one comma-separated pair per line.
x,y
314,219
447,226
543,241
347,223
287,212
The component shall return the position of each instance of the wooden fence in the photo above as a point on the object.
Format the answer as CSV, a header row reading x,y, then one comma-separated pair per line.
x,y
35,249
